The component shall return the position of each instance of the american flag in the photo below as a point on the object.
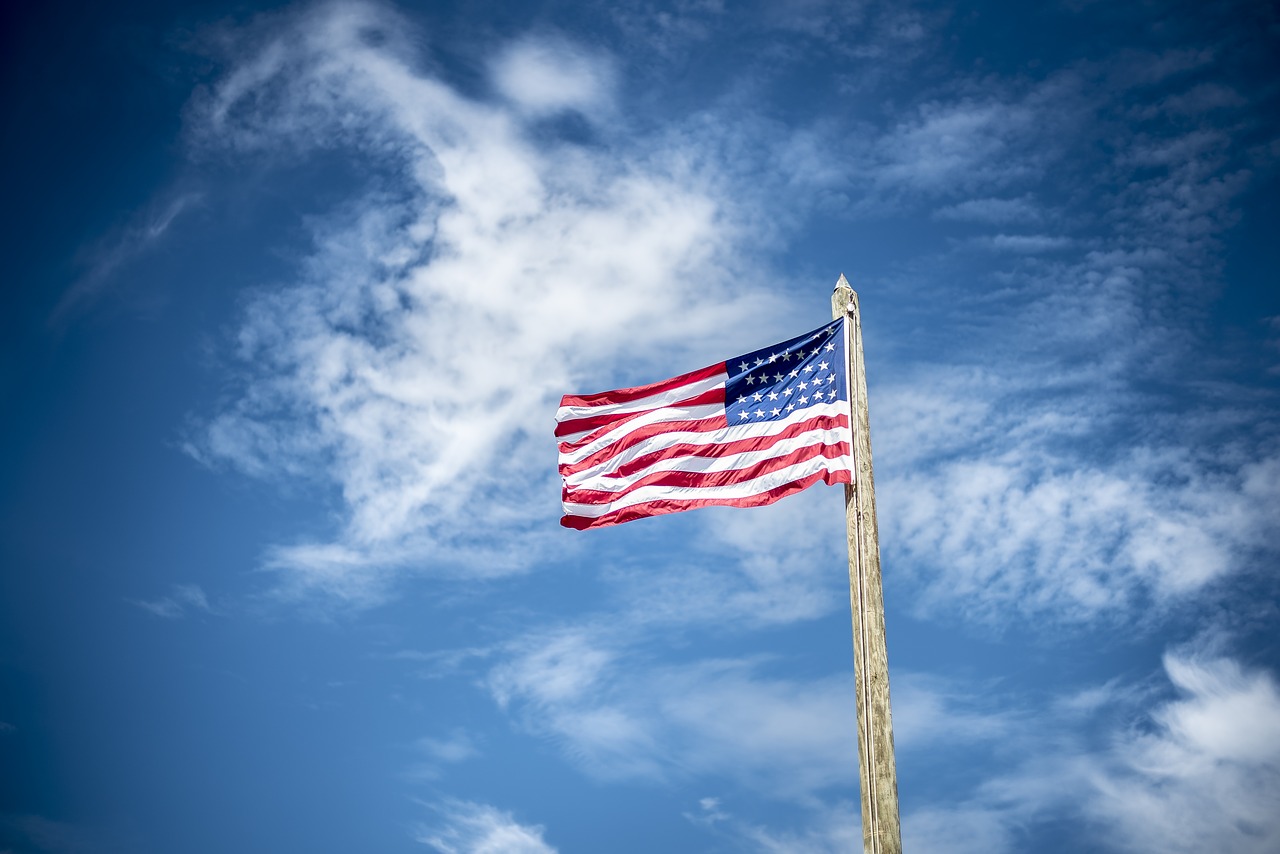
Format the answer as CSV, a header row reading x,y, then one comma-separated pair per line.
x,y
744,433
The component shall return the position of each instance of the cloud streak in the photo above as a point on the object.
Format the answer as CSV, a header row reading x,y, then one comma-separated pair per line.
x,y
110,254
466,827
1196,772
184,600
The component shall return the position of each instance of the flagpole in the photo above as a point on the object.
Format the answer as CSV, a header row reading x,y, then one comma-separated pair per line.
x,y
877,768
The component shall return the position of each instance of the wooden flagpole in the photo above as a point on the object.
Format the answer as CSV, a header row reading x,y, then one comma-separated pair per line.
x,y
877,768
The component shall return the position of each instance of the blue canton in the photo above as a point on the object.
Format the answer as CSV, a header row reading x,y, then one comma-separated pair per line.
x,y
776,382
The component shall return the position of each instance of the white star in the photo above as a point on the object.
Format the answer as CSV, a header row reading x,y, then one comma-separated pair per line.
x,y
757,396
831,345
803,400
744,415
773,395
818,395
822,366
776,412
816,351
759,362
744,367
777,378
773,357
831,379
790,406
759,413
808,368
786,356
742,399
750,380
786,392
803,386
795,373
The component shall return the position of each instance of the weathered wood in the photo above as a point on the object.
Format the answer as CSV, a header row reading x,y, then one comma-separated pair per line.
x,y
877,768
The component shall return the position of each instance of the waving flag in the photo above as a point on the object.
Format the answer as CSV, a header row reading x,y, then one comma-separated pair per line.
x,y
743,433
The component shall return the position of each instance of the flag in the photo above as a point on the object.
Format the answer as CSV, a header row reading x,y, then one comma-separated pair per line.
x,y
743,433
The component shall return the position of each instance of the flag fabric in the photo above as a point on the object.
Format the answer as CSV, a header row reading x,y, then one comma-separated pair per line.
x,y
743,433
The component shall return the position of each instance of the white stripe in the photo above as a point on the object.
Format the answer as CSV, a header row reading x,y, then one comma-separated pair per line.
x,y
654,401
598,480
743,489
569,454
732,433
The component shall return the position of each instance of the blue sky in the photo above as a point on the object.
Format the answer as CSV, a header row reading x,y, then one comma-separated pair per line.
x,y
292,293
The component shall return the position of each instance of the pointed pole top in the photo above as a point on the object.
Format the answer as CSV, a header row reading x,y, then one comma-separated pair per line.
x,y
844,300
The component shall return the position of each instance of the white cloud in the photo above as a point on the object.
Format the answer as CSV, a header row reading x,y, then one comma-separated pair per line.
x,y
992,210
619,715
1028,243
182,601
1053,451
827,831
869,39
1206,775
1203,98
435,753
1125,764
1200,772
957,831
1041,535
928,710
466,827
949,148
418,359
439,664
547,76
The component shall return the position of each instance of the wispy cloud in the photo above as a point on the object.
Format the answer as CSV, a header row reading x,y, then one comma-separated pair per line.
x,y
1016,534
547,76
1116,758
466,827
104,260
869,38
183,600
1051,451
418,359
1206,775
1198,772
434,754
992,210
438,664
825,830
1026,243
618,715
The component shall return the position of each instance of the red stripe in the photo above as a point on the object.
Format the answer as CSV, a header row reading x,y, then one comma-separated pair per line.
x,y
577,425
662,506
728,449
636,437
709,479
626,395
